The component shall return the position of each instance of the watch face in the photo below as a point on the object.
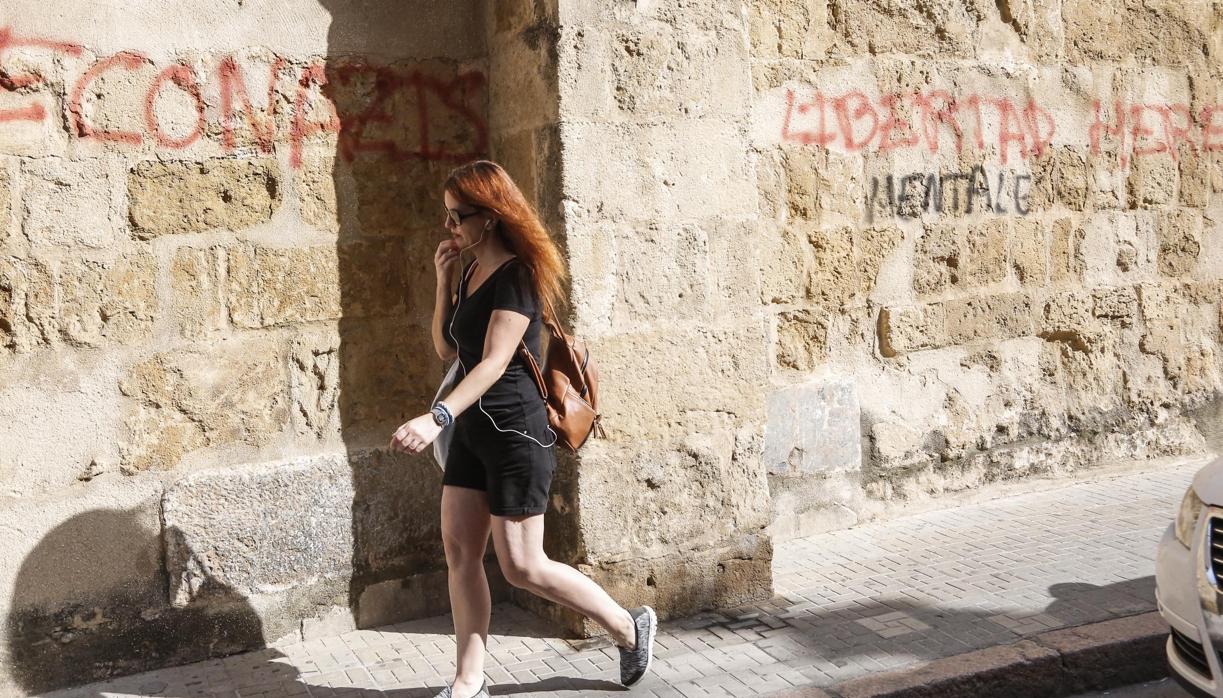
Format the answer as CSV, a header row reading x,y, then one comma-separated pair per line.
x,y
439,419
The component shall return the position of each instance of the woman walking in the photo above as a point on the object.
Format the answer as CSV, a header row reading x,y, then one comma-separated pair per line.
x,y
500,461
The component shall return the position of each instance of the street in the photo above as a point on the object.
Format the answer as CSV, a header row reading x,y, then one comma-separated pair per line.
x,y
1164,688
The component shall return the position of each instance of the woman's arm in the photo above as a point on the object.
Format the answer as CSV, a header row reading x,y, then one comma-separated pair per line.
x,y
505,331
441,308
445,261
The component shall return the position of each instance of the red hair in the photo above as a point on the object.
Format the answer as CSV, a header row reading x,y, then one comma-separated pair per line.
x,y
486,185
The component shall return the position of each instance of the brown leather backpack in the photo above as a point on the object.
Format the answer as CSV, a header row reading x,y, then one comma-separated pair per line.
x,y
569,383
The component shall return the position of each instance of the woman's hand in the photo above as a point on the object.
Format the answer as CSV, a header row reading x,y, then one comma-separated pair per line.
x,y
445,258
413,436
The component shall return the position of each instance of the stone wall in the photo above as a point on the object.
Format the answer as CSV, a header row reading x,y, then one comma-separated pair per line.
x,y
214,311
990,240
832,256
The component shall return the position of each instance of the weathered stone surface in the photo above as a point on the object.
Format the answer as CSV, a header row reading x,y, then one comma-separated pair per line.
x,y
183,400
260,528
167,198
1180,236
1029,252
27,304
781,29
662,272
1060,179
785,261
1066,258
938,261
1165,35
627,188
270,286
1000,316
814,429
368,377
802,339
723,370
393,198
910,328
316,188
1118,248
197,277
108,302
870,26
6,206
985,248
68,203
1152,181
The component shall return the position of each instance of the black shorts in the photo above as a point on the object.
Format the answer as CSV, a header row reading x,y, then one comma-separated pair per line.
x,y
515,471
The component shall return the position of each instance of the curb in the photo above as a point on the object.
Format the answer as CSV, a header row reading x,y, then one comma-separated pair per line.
x,y
1056,663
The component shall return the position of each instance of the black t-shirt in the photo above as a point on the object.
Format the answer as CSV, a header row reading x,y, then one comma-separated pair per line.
x,y
508,288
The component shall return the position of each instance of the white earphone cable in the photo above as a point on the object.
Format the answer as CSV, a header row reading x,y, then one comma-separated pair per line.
x,y
459,356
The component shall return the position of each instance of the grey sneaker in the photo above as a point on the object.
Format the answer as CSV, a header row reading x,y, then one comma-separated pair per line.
x,y
448,691
635,663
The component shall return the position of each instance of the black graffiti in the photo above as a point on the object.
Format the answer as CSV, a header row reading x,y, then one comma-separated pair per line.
x,y
971,191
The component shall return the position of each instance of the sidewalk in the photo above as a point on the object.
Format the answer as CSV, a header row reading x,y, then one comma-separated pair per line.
x,y
848,604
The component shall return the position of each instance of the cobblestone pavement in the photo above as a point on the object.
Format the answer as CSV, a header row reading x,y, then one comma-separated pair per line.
x,y
876,597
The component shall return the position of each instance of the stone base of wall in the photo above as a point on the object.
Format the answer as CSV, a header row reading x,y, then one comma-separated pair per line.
x,y
675,585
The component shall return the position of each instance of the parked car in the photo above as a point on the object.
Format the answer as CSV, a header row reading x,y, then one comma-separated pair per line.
x,y
1187,589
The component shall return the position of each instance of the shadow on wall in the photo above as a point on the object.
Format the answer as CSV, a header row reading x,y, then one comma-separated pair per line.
x,y
121,622
407,114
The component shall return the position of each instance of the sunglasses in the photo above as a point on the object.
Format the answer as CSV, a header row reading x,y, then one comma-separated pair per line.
x,y
457,218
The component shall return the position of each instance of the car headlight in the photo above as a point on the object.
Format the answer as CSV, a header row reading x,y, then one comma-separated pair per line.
x,y
1187,517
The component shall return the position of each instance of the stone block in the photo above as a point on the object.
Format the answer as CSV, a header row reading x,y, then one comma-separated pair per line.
x,y
316,187
1195,177
647,70
264,527
802,339
233,392
1119,248
270,286
68,204
662,273
1152,181
1066,260
6,206
646,169
367,377
1119,304
523,79
786,262
394,198
167,198
813,429
781,29
104,303
1164,35
1180,237
903,329
985,253
28,310
1060,178
1029,252
724,369
38,131
998,316
867,26
197,280
938,263
1069,317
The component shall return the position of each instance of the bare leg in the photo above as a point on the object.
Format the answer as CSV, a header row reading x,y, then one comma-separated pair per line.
x,y
465,528
519,544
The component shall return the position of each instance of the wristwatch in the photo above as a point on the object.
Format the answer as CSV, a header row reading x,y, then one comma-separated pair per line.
x,y
441,414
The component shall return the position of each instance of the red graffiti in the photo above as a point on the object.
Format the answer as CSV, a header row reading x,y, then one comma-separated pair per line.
x,y
184,78
233,84
859,123
10,82
314,109
128,60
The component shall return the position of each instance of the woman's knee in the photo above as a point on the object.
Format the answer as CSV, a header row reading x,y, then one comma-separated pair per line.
x,y
521,572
